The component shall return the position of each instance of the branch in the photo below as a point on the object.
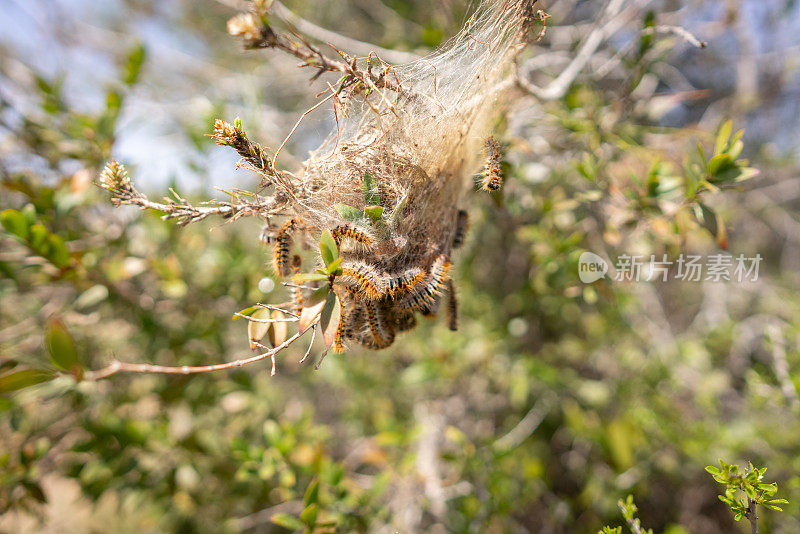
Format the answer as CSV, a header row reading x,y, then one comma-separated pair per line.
x,y
256,32
751,515
115,180
558,87
360,48
355,46
527,425
678,31
122,367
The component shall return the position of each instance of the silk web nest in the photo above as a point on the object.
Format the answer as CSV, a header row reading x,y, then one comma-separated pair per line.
x,y
384,197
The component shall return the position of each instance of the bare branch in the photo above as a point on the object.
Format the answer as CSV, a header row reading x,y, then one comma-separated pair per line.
x,y
558,87
256,33
355,46
124,367
683,33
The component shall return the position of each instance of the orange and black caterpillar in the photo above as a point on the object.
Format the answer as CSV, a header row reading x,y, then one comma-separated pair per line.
x,y
424,298
366,278
296,292
462,223
354,233
452,306
283,246
405,282
492,177
338,338
381,330
404,321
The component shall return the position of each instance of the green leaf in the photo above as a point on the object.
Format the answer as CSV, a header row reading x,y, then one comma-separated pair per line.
x,y
309,515
38,238
398,209
371,195
22,379
29,211
349,213
312,492
374,213
319,295
723,135
719,164
711,221
113,102
335,267
735,149
133,65
246,312
58,253
15,223
309,277
331,318
327,310
287,521
61,346
745,173
328,248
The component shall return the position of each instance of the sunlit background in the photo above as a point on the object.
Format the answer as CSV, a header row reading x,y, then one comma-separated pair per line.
x,y
554,400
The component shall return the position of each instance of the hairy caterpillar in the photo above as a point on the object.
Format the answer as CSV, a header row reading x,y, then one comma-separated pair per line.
x,y
406,281
404,322
424,298
382,333
349,231
366,278
492,178
338,338
283,245
452,306
462,223
296,292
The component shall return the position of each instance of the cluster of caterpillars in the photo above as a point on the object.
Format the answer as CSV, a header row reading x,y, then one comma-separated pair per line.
x,y
378,304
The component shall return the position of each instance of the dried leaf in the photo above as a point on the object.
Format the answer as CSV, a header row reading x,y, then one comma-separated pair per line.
x,y
277,334
315,304
257,330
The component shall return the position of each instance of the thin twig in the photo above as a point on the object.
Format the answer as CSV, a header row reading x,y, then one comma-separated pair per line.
x,y
310,345
256,320
124,367
303,116
355,46
678,31
558,87
527,425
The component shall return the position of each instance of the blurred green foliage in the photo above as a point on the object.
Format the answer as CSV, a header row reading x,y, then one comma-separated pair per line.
x,y
554,401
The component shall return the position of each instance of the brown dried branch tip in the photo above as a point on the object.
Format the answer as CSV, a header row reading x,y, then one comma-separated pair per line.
x,y
388,188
